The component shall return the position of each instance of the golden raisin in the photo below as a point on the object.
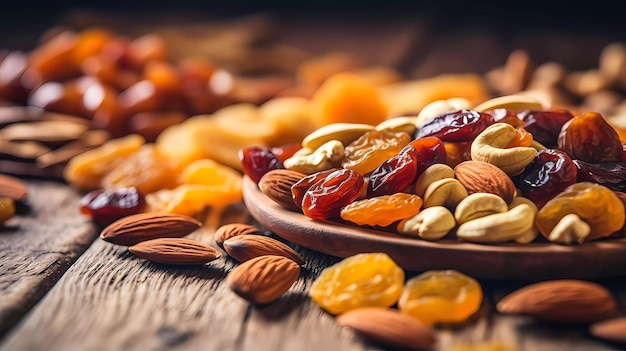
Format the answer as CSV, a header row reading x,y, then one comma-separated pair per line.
x,y
382,210
372,148
191,199
7,209
441,296
86,170
596,204
367,279
147,170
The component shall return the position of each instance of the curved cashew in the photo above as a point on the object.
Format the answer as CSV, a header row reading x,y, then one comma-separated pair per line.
x,y
490,146
479,205
398,124
531,233
324,157
344,132
440,107
570,229
431,174
515,103
499,227
446,192
431,223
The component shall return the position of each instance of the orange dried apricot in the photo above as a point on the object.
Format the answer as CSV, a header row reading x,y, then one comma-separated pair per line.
x,y
345,97
441,296
191,199
367,279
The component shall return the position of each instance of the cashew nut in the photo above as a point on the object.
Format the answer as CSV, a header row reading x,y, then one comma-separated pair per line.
x,y
515,103
431,174
398,124
570,229
325,157
531,233
446,192
431,223
344,132
440,107
490,146
499,227
479,205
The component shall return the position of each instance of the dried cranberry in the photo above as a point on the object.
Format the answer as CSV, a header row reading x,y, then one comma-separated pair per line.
x,y
326,198
550,172
106,206
283,152
610,174
461,125
545,126
258,160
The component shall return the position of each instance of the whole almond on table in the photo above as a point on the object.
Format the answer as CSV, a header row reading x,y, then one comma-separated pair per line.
x,y
388,327
263,279
276,184
562,301
140,227
611,329
230,230
246,247
483,177
175,251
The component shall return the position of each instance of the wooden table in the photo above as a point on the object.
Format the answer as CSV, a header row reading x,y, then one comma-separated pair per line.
x,y
62,288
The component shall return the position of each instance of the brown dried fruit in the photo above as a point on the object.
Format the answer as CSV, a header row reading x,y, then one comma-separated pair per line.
x,y
175,251
13,187
389,327
146,226
245,247
276,184
611,329
564,301
483,177
263,279
230,230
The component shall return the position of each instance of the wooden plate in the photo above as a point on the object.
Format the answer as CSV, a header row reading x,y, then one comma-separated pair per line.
x,y
538,261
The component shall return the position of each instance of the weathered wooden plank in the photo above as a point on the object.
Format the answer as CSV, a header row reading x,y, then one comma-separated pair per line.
x,y
38,247
111,300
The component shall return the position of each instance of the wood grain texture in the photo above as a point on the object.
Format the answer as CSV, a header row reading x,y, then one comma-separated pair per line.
x,y
36,248
111,300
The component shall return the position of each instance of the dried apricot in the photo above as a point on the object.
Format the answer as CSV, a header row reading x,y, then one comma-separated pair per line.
x,y
345,97
367,279
441,296
191,199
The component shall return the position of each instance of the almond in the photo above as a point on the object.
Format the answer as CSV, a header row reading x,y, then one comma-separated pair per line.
x,y
276,185
175,251
140,227
228,231
565,301
611,329
245,247
388,327
263,279
13,187
483,177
